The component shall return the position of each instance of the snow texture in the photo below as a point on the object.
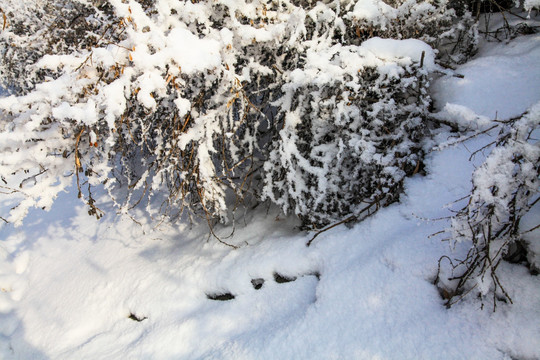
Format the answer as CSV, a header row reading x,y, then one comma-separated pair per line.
x,y
493,67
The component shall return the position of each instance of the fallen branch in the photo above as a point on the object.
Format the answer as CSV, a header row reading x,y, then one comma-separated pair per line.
x,y
354,217
344,221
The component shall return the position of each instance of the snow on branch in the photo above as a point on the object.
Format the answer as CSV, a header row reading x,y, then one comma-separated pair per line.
x,y
195,107
504,189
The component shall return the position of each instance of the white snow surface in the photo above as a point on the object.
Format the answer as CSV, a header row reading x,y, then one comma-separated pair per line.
x,y
501,82
69,283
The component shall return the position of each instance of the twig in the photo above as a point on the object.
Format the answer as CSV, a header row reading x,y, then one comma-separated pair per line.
x,y
208,219
78,166
530,230
346,220
5,19
437,277
33,177
449,303
463,139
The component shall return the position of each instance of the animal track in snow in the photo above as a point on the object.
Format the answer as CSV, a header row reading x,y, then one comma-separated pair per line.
x,y
134,317
258,283
280,279
220,296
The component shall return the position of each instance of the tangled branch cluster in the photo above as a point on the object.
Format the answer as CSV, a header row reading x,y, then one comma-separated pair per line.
x,y
505,188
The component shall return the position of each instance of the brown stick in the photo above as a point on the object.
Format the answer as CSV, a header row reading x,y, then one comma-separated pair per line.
x,y
346,220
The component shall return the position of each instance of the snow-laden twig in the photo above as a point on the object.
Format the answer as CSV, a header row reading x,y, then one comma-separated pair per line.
x,y
504,188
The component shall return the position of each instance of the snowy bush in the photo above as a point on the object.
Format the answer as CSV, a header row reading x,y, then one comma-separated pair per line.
x,y
504,188
196,105
353,124
33,29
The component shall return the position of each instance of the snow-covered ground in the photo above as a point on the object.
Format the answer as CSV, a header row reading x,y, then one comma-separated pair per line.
x,y
76,288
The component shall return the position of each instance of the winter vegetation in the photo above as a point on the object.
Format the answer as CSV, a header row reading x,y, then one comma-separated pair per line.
x,y
196,106
177,114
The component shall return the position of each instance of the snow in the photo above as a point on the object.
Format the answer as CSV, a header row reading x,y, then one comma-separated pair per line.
x,y
509,74
463,117
183,106
531,4
408,50
191,53
70,283
371,10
